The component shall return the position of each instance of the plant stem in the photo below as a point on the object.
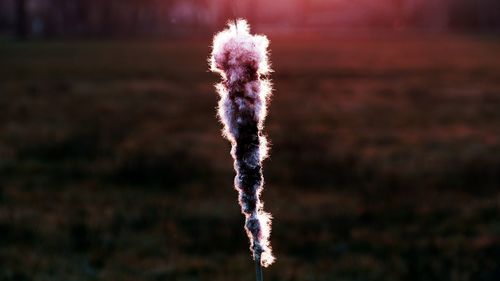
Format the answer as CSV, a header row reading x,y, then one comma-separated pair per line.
x,y
258,269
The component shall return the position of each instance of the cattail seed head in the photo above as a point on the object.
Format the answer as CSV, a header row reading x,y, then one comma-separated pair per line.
x,y
242,61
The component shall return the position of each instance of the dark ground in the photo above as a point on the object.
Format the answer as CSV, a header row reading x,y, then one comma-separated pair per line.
x,y
385,162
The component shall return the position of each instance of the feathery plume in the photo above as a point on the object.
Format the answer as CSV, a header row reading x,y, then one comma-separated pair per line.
x,y
241,59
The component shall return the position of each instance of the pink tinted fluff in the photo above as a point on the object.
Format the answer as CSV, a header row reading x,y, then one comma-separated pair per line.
x,y
242,61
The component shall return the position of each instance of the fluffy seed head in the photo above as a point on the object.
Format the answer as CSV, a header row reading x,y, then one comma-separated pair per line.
x,y
241,60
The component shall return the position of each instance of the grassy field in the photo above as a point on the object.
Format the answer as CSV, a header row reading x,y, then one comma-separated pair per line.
x,y
385,162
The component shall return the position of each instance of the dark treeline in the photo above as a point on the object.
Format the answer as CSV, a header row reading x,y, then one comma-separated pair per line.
x,y
108,18
475,14
129,18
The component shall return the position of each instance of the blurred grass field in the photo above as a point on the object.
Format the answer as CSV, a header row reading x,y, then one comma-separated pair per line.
x,y
385,161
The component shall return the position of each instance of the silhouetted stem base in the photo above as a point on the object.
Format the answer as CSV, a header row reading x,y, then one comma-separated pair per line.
x,y
258,270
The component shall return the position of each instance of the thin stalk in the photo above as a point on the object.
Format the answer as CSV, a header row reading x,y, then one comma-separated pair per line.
x,y
258,269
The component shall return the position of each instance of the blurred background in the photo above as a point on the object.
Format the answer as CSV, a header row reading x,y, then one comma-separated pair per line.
x,y
385,131
169,18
